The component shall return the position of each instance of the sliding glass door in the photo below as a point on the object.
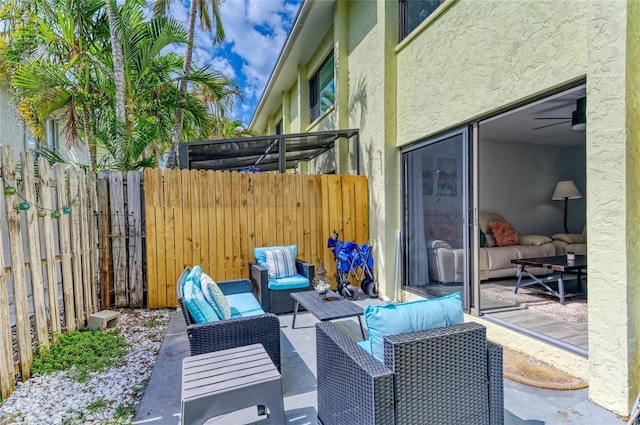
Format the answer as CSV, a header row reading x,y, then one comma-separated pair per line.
x,y
435,216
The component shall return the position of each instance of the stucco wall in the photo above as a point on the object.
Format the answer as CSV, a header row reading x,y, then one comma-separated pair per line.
x,y
454,71
372,111
613,213
294,111
521,190
633,200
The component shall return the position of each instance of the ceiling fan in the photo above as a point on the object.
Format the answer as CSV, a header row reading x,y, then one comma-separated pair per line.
x,y
578,118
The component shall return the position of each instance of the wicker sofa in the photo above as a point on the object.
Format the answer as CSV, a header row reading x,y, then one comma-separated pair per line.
x,y
235,332
277,301
445,375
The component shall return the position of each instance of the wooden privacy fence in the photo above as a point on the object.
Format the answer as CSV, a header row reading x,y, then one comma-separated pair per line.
x,y
120,241
215,219
46,222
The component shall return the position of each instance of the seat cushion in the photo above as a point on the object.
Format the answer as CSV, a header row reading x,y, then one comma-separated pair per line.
x,y
243,305
296,281
261,253
280,263
215,297
393,319
196,303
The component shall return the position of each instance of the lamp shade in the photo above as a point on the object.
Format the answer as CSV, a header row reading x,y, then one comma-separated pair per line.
x,y
566,189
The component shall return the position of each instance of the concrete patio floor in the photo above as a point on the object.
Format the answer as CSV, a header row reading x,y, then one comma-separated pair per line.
x,y
160,404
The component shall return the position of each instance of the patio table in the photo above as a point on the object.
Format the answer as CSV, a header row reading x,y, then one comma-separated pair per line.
x,y
326,307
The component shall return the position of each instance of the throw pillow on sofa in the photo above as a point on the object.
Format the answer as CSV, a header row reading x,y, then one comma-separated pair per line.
x,y
215,297
393,319
196,303
280,263
504,233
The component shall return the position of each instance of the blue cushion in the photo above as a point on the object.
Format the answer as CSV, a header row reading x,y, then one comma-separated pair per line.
x,y
261,253
214,296
243,305
287,283
196,304
366,345
181,280
393,319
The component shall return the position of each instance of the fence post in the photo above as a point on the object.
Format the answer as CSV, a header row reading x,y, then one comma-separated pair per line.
x,y
20,296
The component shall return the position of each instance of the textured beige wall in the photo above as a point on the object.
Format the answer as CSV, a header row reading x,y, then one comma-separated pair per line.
x,y
513,50
612,205
371,39
633,200
294,110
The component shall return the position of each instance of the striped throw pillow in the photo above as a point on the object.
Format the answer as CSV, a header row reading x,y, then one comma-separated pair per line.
x,y
280,263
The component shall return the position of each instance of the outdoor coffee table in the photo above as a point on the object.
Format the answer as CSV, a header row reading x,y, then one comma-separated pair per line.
x,y
559,264
326,307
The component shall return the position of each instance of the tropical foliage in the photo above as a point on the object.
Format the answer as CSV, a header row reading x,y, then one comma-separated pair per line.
x,y
205,9
57,60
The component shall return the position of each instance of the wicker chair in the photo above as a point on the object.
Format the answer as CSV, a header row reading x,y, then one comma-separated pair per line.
x,y
232,333
280,301
448,375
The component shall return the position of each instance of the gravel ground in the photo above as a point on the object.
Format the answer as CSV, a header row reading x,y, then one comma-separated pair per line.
x,y
111,397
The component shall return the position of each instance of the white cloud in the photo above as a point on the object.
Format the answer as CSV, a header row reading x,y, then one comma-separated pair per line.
x,y
255,31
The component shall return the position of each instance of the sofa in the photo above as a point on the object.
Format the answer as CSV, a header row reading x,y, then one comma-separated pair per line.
x,y
495,261
247,323
421,365
571,242
446,264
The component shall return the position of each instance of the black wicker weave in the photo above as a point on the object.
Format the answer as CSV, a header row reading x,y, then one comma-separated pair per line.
x,y
278,302
232,333
448,375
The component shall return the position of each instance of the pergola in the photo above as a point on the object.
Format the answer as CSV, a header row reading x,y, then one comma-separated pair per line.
x,y
264,153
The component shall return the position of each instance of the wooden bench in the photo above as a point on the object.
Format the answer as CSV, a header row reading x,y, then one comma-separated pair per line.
x,y
223,381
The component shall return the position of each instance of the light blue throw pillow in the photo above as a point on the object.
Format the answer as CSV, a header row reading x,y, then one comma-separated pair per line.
x,y
215,297
261,253
196,304
394,319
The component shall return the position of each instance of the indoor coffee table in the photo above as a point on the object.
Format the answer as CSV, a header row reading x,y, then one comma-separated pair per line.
x,y
326,307
559,264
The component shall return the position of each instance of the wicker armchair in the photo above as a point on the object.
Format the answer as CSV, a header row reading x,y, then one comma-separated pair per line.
x,y
280,301
232,333
449,375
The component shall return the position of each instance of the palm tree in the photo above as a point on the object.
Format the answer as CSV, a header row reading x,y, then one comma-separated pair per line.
x,y
118,63
50,60
60,60
206,9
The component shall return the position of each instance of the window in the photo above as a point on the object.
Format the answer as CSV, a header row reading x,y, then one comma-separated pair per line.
x,y
413,12
279,127
53,138
321,89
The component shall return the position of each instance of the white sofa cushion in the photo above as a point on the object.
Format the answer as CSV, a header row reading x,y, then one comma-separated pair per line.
x,y
570,237
534,240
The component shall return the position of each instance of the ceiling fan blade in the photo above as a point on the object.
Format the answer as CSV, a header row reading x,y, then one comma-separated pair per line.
x,y
556,118
550,125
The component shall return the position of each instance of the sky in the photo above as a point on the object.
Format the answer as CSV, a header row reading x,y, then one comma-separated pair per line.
x,y
255,31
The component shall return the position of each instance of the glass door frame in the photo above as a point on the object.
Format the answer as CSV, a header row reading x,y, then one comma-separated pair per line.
x,y
469,198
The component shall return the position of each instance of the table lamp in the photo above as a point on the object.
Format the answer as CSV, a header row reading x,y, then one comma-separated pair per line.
x,y
566,190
